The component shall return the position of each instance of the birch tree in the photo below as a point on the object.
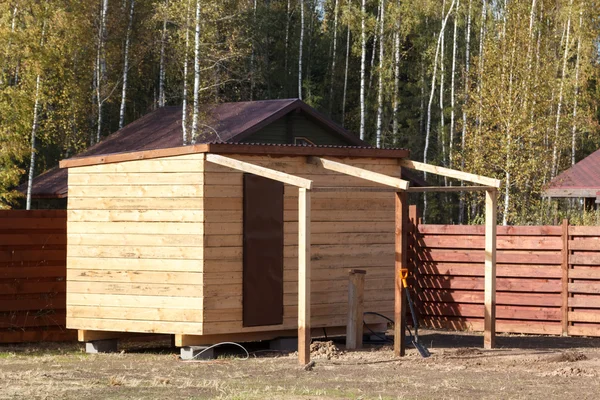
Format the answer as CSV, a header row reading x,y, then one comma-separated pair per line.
x,y
363,54
184,110
380,88
35,121
126,66
300,49
163,44
195,115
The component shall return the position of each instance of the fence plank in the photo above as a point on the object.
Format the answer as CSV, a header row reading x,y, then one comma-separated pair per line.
x,y
33,276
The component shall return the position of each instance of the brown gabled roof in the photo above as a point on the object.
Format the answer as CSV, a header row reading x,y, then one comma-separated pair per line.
x,y
581,180
161,129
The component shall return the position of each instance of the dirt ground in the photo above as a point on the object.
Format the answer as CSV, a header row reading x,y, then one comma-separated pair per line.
x,y
523,367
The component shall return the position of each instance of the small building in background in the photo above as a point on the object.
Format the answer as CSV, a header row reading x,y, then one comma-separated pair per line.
x,y
581,181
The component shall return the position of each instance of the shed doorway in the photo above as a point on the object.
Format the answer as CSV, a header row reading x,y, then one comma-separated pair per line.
x,y
262,296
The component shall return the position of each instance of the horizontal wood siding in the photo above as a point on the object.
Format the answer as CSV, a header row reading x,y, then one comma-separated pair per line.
x,y
32,276
448,264
349,230
135,246
584,281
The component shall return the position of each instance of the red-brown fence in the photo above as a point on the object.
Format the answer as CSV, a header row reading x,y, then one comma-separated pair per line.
x,y
32,276
548,278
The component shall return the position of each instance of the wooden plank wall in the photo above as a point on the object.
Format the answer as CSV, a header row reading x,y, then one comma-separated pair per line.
x,y
449,262
583,300
349,230
135,246
32,276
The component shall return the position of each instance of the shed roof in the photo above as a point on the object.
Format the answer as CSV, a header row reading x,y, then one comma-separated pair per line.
x,y
581,180
161,129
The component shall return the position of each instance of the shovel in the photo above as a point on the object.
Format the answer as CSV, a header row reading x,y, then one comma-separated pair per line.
x,y
414,338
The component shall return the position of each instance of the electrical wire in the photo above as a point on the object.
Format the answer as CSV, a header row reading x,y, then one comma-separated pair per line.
x,y
385,339
221,344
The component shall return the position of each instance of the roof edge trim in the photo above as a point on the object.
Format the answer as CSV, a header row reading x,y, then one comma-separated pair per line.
x,y
231,148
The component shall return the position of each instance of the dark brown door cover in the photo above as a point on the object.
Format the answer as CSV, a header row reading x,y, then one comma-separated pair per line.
x,y
263,251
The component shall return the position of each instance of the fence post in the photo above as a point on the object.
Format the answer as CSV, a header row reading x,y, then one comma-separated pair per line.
x,y
354,326
565,277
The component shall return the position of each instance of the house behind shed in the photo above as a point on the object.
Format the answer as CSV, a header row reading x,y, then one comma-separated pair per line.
x,y
164,241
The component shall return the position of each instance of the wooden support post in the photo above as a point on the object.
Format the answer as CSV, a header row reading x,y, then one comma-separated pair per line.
x,y
401,262
489,335
356,297
565,278
304,196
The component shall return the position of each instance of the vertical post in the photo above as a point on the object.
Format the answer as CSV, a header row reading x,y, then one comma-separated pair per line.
x,y
304,196
354,326
401,262
489,336
565,277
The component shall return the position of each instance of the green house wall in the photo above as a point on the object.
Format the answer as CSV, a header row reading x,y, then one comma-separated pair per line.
x,y
295,125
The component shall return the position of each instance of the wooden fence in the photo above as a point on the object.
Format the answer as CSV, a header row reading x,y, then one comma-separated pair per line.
x,y
548,278
32,276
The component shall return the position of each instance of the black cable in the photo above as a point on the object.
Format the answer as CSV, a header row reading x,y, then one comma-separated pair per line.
x,y
325,333
374,333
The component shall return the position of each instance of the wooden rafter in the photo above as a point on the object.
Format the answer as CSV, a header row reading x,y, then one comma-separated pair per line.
x,y
258,170
396,183
450,173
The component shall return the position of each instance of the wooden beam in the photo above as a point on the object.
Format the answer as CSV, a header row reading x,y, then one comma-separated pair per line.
x,y
336,189
450,173
396,183
304,197
133,156
258,170
401,262
425,189
489,335
356,296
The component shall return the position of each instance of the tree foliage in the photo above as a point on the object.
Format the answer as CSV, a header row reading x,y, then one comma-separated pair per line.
x,y
531,85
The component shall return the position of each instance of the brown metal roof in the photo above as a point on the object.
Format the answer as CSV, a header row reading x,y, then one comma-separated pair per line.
x,y
581,180
161,129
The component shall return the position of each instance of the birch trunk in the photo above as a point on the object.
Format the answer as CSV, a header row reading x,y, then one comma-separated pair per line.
x,y
196,111
461,203
442,133
574,129
300,49
432,93
481,64
287,43
333,56
433,79
161,74
9,44
380,73
101,66
363,50
346,76
252,56
561,96
452,92
34,127
375,39
184,110
396,82
126,66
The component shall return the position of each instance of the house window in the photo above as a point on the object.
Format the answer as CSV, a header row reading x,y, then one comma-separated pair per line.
x,y
303,141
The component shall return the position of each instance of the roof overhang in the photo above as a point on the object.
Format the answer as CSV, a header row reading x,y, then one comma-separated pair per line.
x,y
572,192
274,150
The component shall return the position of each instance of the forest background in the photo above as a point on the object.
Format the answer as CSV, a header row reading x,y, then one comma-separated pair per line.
x,y
503,88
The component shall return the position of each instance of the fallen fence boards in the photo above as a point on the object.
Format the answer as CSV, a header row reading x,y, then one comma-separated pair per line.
x,y
33,276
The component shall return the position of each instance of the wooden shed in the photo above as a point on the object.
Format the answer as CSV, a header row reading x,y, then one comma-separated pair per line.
x,y
240,242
